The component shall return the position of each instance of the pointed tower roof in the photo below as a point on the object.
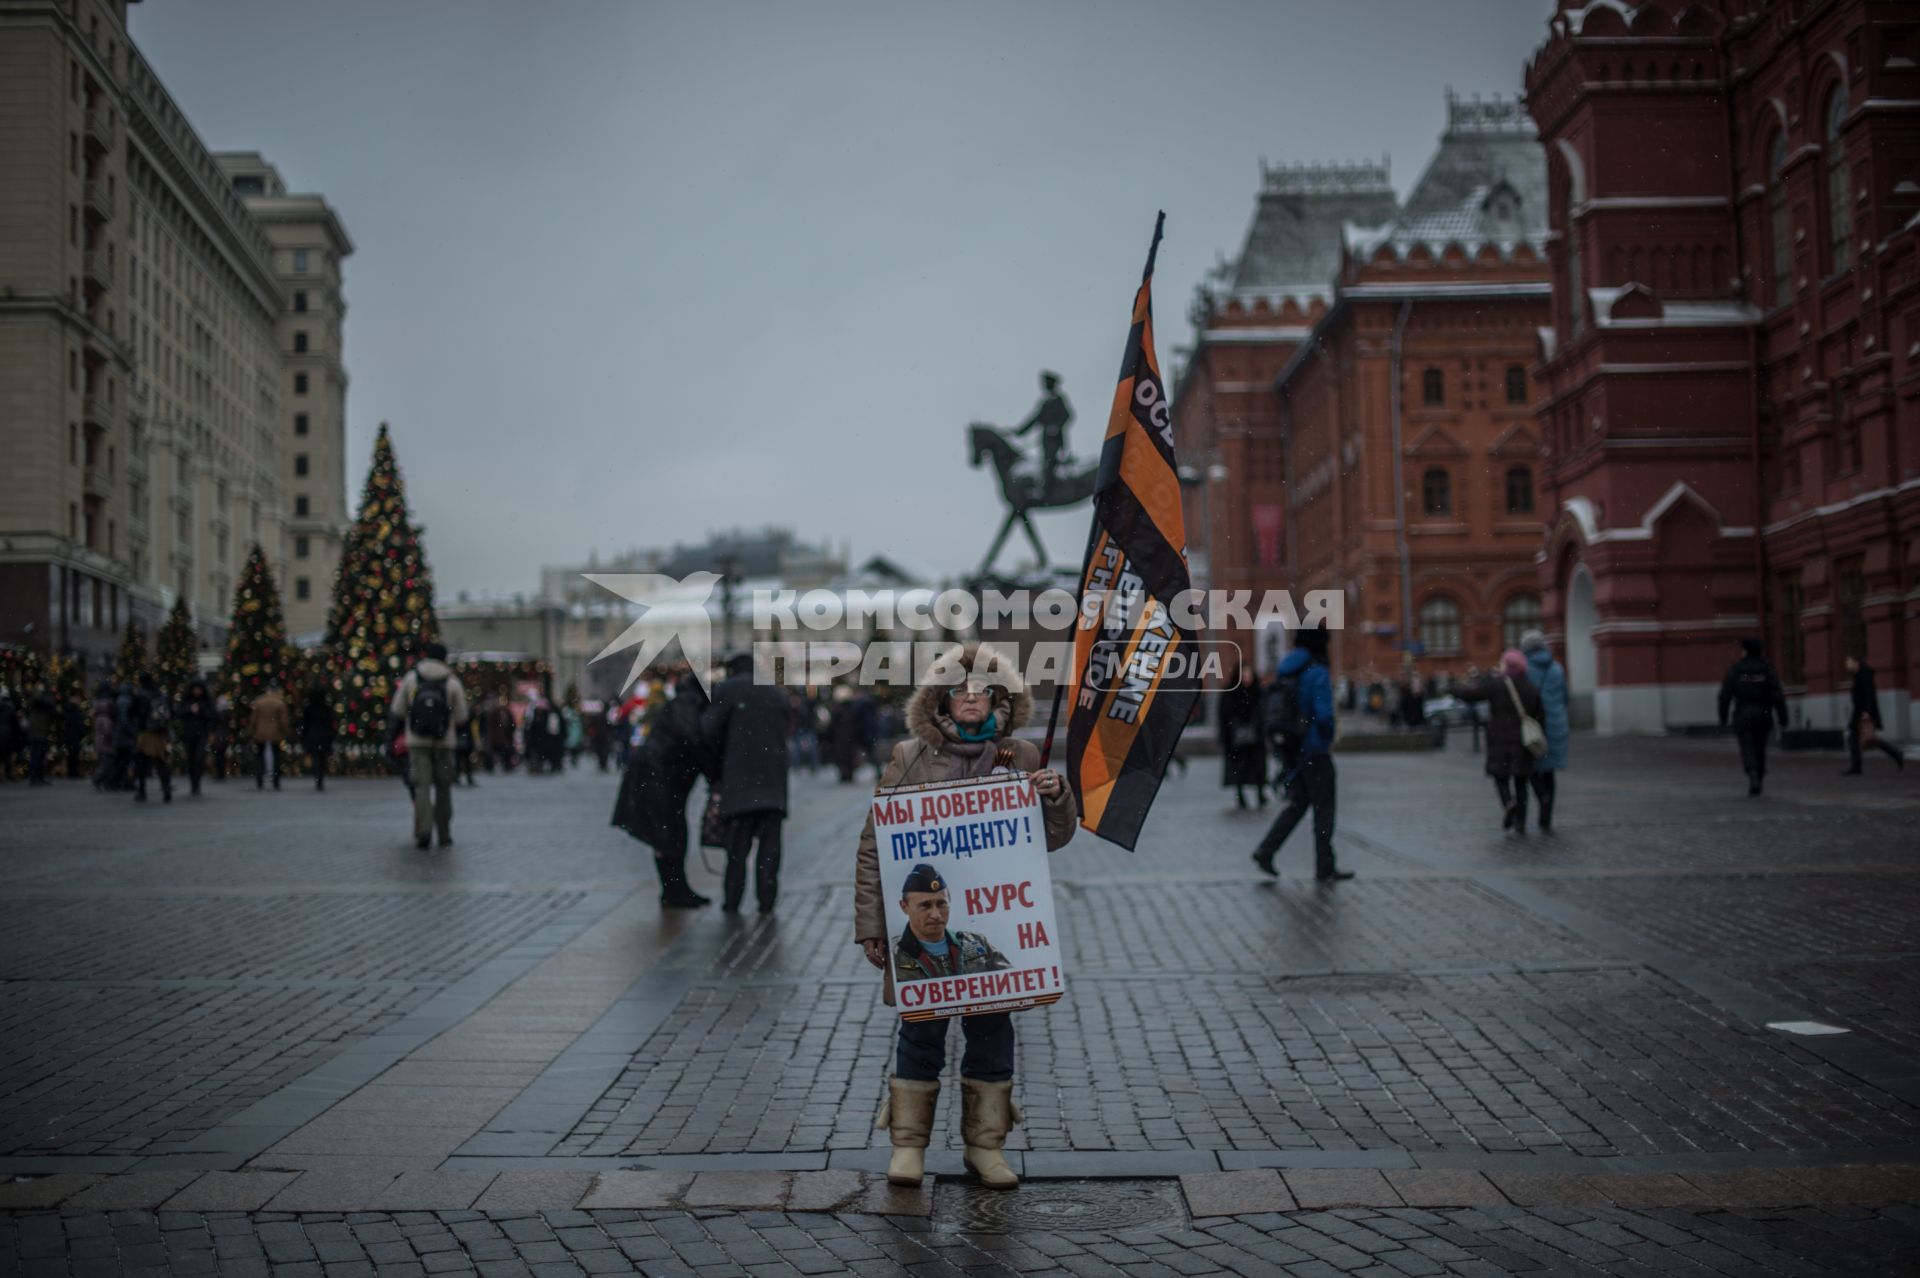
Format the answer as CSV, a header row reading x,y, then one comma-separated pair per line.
x,y
1487,184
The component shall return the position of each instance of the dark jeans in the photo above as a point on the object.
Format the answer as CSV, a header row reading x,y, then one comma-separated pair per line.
x,y
266,757
989,1054
196,761
1513,794
1853,746
144,765
1312,786
743,832
1753,747
321,755
74,746
37,762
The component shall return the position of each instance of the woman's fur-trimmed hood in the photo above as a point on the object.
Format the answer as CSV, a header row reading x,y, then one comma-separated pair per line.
x,y
927,717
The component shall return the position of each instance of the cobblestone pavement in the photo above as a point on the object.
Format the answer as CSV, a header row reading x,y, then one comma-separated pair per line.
x,y
1487,1054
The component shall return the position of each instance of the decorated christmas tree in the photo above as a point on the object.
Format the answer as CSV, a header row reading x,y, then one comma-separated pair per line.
x,y
382,613
257,650
176,648
133,655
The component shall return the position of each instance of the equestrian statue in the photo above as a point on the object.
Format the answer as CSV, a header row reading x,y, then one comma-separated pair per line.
x,y
1022,488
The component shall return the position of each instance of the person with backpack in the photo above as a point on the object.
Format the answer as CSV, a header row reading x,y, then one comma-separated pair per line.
x,y
153,722
1515,738
1300,726
270,725
432,705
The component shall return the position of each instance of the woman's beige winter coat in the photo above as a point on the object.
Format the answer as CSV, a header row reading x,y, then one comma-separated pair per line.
x,y
933,751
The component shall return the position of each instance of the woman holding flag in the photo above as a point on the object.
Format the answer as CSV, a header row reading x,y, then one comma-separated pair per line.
x,y
959,728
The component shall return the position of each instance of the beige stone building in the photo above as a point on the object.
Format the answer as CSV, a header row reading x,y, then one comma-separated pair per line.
x,y
309,245
147,369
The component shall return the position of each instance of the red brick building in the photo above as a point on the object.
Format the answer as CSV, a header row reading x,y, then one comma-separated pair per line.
x,y
1249,319
1407,432
1731,377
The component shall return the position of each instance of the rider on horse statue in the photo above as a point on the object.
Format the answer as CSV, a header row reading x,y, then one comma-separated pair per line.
x,y
1052,415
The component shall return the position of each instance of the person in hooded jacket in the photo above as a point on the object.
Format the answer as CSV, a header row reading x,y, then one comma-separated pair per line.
x,y
1752,692
652,805
955,731
1307,765
1508,694
1550,678
195,714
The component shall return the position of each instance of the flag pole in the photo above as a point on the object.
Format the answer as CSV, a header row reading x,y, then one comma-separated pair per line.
x,y
1093,529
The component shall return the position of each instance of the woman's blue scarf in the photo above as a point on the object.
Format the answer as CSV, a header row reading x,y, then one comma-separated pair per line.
x,y
985,732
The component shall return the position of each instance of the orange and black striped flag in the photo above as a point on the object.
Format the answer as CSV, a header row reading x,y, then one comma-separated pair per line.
x,y
1130,697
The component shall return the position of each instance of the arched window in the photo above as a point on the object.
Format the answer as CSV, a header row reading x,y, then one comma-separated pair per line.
x,y
1519,490
1436,492
1440,626
1521,614
1433,387
1777,214
1840,224
1516,384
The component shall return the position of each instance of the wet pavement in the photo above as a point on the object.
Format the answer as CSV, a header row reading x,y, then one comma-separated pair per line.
x,y
262,1030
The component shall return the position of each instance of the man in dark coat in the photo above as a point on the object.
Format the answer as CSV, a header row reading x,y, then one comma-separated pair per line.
x,y
652,806
1866,710
1752,690
746,728
196,714
317,731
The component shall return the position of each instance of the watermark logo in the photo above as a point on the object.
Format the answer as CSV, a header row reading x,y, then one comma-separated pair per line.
x,y
817,637
670,611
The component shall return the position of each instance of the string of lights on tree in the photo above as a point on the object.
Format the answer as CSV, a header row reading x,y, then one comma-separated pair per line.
x,y
258,654
382,612
175,650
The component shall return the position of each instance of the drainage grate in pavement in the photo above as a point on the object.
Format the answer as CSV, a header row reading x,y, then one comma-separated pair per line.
x,y
1093,1206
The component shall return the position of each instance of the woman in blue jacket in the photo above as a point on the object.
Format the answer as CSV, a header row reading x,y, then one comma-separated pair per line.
x,y
1550,678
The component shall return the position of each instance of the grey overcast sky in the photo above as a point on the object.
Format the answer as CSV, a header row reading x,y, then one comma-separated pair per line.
x,y
627,273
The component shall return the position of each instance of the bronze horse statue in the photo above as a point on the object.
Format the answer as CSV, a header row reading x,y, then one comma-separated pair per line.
x,y
1021,489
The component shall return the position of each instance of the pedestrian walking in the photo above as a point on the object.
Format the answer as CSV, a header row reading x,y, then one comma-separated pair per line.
x,y
1243,737
575,729
42,718
844,731
432,705
13,734
153,720
1512,702
221,739
499,730
746,729
652,805
270,726
1300,724
1753,693
105,730
317,732
74,728
126,737
1550,678
955,732
196,714
1863,719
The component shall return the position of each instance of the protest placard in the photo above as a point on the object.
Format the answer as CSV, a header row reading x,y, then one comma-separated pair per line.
x,y
963,868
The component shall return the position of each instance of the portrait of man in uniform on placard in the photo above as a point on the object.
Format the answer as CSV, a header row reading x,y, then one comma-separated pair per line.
x,y
927,946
